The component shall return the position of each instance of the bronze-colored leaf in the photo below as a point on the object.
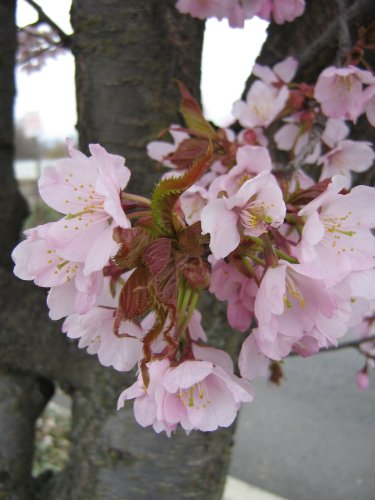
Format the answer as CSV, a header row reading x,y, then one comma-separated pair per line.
x,y
134,297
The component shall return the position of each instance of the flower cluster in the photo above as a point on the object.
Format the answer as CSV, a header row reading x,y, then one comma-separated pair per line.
x,y
237,11
292,253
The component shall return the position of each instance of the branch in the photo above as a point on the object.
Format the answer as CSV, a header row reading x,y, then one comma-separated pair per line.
x,y
359,12
314,137
344,38
355,344
65,39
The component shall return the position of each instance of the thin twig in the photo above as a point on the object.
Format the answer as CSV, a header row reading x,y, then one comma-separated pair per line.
x,y
314,137
354,344
65,39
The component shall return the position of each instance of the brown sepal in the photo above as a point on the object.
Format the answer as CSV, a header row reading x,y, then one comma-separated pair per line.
x,y
190,240
132,241
276,373
304,196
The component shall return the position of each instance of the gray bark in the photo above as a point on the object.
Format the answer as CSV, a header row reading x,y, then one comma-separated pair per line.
x,y
128,55
12,206
314,38
22,397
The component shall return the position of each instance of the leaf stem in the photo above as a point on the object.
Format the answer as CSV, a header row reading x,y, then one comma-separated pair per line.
x,y
136,198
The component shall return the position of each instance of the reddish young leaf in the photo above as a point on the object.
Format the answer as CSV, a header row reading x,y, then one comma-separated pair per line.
x,y
157,255
193,115
188,151
165,285
134,297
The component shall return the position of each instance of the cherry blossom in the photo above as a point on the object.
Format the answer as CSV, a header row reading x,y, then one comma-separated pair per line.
x,y
257,205
263,104
88,191
197,394
159,150
297,310
348,156
228,284
340,91
336,235
282,72
37,259
95,333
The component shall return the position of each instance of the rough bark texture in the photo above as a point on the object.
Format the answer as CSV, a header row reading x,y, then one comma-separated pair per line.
x,y
314,38
128,55
22,397
12,206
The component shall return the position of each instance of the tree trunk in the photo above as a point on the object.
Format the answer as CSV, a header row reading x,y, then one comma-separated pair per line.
x,y
22,397
127,57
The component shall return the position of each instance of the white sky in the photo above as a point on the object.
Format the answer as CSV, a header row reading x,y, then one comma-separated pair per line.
x,y
228,57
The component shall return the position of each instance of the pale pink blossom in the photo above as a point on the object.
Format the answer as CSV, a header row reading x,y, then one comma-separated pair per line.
x,y
252,363
75,296
88,191
340,91
337,232
257,205
203,9
192,202
348,156
250,161
159,150
296,310
201,393
281,10
291,137
71,290
95,333
228,284
287,10
282,72
263,103
148,402
36,45
369,103
335,131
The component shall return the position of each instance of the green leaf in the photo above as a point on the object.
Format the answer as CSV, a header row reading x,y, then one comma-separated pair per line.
x,y
167,192
193,115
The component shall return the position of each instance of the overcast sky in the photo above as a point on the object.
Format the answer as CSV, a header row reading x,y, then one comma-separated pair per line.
x,y
228,57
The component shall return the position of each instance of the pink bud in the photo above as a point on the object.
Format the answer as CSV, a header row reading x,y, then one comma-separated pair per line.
x,y
362,380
